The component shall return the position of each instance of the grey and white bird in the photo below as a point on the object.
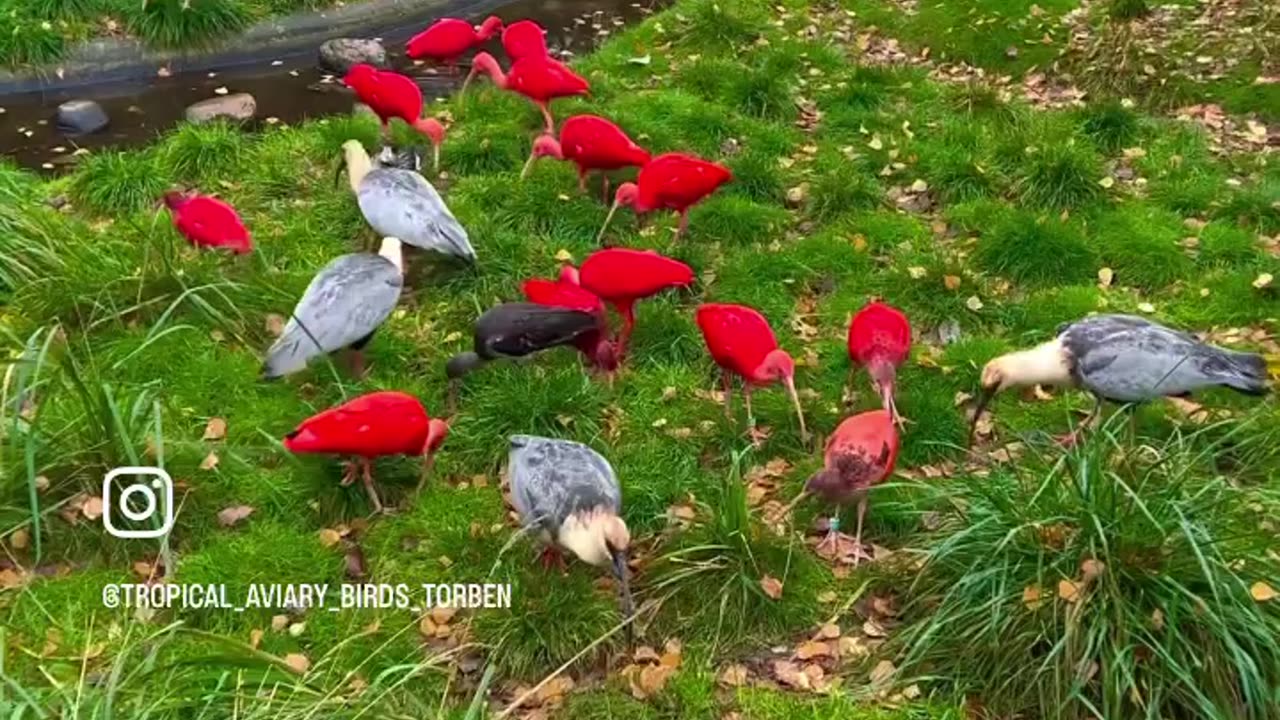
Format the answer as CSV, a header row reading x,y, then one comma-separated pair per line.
x,y
569,494
401,203
1123,359
343,306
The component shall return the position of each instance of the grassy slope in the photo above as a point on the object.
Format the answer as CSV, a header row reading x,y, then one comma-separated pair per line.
x,y
39,32
1021,194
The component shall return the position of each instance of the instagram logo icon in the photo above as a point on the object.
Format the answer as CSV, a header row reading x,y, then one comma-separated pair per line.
x,y
136,500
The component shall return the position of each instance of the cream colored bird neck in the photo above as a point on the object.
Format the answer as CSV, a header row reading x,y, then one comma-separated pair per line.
x,y
584,535
358,164
393,250
1044,364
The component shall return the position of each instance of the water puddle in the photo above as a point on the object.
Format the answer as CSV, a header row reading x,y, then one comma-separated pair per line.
x,y
287,89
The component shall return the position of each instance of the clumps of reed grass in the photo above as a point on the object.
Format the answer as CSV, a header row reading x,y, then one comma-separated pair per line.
x,y
1102,583
1141,244
1036,250
120,182
26,38
199,152
718,24
1110,125
1061,174
842,187
185,23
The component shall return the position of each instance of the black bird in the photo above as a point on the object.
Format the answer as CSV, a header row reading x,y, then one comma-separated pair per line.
x,y
1123,359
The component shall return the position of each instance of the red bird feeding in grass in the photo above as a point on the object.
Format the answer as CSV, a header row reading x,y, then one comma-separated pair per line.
x,y
447,39
524,38
540,79
562,293
591,143
368,427
622,276
742,343
880,341
391,95
672,181
208,222
859,454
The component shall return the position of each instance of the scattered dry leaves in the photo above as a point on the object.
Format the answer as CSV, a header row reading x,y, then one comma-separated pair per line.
x,y
234,514
771,586
215,429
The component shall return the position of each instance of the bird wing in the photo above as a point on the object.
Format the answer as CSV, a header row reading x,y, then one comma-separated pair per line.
x,y
552,479
557,293
738,337
346,301
627,273
524,38
543,78
209,221
677,179
374,424
402,204
1130,359
519,329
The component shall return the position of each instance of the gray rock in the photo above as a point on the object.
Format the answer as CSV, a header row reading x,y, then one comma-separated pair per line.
x,y
238,107
340,54
80,117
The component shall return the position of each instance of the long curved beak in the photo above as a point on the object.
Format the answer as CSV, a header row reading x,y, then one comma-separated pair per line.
x,y
528,165
795,501
435,159
337,174
428,461
888,403
983,400
624,584
607,219
795,400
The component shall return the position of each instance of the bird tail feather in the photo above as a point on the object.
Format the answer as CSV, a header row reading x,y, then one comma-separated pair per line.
x,y
289,353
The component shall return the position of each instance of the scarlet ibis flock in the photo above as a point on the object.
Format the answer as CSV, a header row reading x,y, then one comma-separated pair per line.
x,y
566,490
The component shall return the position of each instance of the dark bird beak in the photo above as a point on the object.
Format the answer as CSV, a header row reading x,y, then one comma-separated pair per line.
x,y
624,584
337,174
984,399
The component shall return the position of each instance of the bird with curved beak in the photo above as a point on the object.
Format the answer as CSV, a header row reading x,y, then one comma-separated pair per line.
x,y
672,181
401,203
569,493
368,427
742,343
880,340
541,79
591,143
1122,359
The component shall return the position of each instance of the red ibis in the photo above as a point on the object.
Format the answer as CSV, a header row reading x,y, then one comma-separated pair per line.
x,y
207,222
524,38
368,427
861,453
447,39
672,181
391,95
742,343
880,341
622,276
541,79
591,143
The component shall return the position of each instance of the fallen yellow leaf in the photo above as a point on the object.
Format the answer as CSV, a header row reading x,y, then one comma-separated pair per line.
x,y
297,662
1262,592
1032,597
1068,590
772,586
216,429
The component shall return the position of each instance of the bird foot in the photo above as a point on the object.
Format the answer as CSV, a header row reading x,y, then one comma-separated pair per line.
x,y
551,556
351,473
839,547
1069,440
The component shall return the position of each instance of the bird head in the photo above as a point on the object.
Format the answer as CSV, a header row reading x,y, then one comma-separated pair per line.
x,y
491,26
599,537
569,275
484,63
605,356
461,364
175,199
884,375
437,431
778,365
544,146
358,74
627,194
432,128
355,160
618,539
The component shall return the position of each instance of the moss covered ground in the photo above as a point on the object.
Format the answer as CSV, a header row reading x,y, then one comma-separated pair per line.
x,y
989,221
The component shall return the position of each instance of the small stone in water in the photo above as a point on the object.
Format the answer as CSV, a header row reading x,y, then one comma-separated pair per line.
x,y
221,91
293,73
277,63
213,74
47,166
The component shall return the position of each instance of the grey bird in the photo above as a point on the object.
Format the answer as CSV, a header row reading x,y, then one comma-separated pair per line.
x,y
343,306
570,495
404,159
518,329
1123,359
401,203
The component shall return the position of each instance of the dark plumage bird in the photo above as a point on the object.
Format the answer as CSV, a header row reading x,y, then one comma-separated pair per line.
x,y
518,329
1123,359
570,493
343,306
861,453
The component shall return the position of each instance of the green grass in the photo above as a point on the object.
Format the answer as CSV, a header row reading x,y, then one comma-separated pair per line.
x,y
119,343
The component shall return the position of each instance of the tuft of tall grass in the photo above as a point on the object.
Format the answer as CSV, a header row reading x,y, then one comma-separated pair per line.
x,y
201,152
1061,174
185,23
716,24
1140,243
1127,9
26,38
66,9
841,187
1112,583
116,182
1036,250
1110,125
